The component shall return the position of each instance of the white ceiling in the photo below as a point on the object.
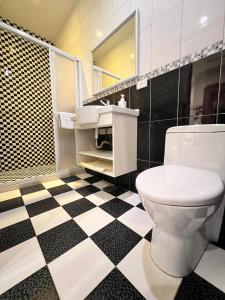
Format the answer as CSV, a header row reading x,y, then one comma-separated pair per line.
x,y
43,17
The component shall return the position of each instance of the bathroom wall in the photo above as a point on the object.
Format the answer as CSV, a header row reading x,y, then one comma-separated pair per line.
x,y
168,101
27,137
169,29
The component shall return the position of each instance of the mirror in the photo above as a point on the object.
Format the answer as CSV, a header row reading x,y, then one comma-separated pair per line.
x,y
115,59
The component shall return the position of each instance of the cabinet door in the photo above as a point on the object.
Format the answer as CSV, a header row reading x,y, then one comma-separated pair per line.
x,y
63,82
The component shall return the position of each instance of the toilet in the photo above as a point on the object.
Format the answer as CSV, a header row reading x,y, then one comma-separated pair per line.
x,y
185,196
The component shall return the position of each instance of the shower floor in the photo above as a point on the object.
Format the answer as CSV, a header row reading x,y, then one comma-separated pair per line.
x,y
8,176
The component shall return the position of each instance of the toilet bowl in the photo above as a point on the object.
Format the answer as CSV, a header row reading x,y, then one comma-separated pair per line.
x,y
185,196
180,200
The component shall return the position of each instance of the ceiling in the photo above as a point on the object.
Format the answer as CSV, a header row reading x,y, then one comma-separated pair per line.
x,y
43,17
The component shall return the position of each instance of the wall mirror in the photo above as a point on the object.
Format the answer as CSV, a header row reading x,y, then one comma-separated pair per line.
x,y
115,59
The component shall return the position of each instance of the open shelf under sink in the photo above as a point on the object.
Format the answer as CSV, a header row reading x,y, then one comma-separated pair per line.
x,y
98,153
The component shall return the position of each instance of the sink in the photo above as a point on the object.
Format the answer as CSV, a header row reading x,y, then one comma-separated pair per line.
x,y
90,114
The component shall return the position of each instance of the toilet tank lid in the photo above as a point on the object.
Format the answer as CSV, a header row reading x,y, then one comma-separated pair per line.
x,y
180,186
209,128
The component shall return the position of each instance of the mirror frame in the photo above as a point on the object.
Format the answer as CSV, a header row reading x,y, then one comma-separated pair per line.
x,y
137,43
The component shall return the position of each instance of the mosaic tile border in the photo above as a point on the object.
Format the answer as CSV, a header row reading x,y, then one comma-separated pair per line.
x,y
205,52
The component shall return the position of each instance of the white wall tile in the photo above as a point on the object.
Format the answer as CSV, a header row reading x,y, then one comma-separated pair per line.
x,y
162,7
202,24
118,3
106,10
145,51
122,13
145,8
166,33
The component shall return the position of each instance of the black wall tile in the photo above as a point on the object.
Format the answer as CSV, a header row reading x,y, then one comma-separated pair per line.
x,y
164,96
123,180
157,138
185,91
140,99
143,141
115,97
205,85
221,119
221,108
209,119
153,164
141,166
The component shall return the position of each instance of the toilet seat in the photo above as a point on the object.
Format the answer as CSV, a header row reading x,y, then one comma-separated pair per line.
x,y
180,186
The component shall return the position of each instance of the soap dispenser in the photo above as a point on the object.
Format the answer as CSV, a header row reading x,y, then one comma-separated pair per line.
x,y
122,102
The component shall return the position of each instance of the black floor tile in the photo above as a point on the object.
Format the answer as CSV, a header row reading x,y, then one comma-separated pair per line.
x,y
148,236
41,206
31,189
115,286
11,204
140,205
87,190
116,240
60,239
15,234
93,179
59,189
114,190
194,287
116,207
38,286
78,207
70,179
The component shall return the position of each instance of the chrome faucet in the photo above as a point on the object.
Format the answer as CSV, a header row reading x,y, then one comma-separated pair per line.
x,y
105,103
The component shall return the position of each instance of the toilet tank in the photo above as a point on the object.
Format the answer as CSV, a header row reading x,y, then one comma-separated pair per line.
x,y
197,146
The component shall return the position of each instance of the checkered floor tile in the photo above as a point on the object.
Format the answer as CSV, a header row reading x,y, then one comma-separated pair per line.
x,y
83,238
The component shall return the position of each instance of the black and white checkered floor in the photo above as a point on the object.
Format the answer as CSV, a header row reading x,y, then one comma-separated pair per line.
x,y
82,238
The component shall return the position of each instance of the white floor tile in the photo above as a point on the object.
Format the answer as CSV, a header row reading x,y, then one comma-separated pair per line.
x,y
13,216
10,195
85,267
78,184
140,269
53,183
212,266
19,262
49,219
101,184
130,197
83,175
100,197
37,196
93,220
138,220
67,197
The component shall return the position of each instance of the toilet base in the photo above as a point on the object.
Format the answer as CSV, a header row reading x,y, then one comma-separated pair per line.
x,y
177,255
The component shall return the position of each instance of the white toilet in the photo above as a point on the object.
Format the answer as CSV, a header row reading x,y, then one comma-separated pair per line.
x,y
185,196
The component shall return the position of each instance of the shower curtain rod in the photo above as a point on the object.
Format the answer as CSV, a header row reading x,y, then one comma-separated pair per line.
x,y
29,37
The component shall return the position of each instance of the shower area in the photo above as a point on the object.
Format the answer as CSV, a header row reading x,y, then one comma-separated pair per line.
x,y
37,82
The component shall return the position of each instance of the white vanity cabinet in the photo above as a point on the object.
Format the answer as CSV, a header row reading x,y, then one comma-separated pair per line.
x,y
122,122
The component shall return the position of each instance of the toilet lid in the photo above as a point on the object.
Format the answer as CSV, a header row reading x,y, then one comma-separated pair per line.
x,y
180,186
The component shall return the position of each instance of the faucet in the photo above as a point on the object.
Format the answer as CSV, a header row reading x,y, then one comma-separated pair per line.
x,y
105,103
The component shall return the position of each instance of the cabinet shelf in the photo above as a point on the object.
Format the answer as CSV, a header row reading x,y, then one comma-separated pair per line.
x,y
98,154
98,166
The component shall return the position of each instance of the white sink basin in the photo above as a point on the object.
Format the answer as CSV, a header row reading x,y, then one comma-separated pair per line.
x,y
90,114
